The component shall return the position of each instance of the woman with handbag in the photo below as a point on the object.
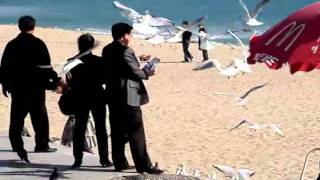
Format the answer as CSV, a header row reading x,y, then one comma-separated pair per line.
x,y
85,82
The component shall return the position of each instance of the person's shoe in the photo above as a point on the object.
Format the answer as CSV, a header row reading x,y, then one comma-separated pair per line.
x,y
106,163
128,167
47,149
76,164
153,170
23,155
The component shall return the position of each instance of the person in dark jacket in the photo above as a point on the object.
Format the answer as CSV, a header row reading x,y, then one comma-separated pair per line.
x,y
26,73
186,40
126,93
86,86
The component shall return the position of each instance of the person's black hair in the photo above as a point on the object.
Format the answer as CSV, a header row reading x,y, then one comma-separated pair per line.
x,y
26,23
202,28
85,42
185,23
120,29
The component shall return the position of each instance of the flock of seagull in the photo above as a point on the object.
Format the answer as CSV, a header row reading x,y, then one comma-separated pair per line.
x,y
157,30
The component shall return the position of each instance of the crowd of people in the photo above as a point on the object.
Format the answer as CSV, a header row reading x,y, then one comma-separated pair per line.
x,y
114,79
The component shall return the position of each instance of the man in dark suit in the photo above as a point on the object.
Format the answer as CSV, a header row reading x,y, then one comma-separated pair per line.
x,y
26,73
126,93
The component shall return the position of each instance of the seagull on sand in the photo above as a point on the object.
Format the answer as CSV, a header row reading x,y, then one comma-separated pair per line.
x,y
251,16
196,173
241,174
181,170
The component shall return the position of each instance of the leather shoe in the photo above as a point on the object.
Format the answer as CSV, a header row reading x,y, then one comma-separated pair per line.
x,y
153,170
48,149
106,163
23,155
76,164
128,167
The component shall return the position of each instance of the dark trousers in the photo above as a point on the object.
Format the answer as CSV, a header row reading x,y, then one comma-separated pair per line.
x,y
23,103
98,111
126,122
205,55
187,54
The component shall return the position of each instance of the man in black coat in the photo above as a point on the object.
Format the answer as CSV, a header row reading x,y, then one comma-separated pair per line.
x,y
126,93
85,84
26,73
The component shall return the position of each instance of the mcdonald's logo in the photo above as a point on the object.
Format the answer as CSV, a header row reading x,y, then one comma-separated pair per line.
x,y
289,30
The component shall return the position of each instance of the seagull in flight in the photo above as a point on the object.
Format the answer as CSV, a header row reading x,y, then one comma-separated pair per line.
x,y
252,89
241,63
229,71
127,12
242,100
251,16
255,126
136,17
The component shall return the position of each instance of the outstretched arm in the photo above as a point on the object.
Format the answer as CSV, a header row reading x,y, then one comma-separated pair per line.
x,y
133,65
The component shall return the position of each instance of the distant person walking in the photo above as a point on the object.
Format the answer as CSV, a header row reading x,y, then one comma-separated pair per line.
x,y
26,73
126,93
186,40
204,43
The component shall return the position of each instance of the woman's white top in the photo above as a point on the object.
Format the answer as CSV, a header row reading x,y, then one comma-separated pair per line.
x,y
204,41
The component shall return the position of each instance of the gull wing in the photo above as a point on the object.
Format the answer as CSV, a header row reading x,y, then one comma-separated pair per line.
x,y
145,29
196,22
245,174
156,39
127,12
158,21
252,89
239,123
245,9
276,129
237,38
228,171
259,7
244,49
176,38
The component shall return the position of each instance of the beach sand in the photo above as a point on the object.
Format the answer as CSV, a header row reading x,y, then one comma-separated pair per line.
x,y
186,122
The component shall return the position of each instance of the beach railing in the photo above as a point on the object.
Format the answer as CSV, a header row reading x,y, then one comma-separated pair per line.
x,y
306,163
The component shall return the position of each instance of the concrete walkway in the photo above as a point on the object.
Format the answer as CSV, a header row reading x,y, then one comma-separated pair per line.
x,y
42,165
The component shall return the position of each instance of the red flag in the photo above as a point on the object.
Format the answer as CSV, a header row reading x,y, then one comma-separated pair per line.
x,y
295,40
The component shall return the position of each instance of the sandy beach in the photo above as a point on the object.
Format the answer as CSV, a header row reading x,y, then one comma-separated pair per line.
x,y
187,120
